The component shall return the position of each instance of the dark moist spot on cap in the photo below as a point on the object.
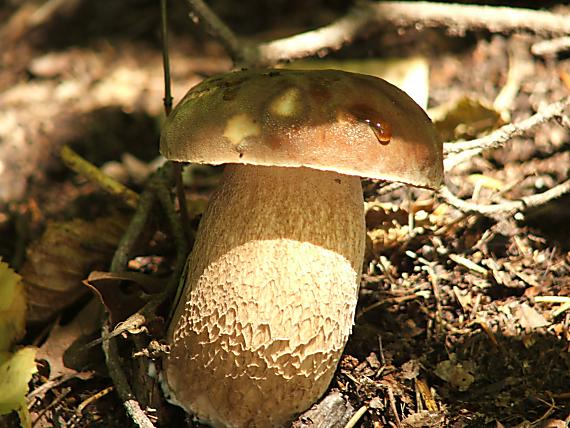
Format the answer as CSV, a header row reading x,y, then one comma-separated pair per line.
x,y
236,82
230,93
337,180
318,91
366,114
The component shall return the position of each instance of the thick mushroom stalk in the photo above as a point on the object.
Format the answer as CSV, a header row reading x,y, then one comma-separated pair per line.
x,y
269,299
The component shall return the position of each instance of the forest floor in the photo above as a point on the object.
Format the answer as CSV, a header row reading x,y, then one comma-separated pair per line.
x,y
463,321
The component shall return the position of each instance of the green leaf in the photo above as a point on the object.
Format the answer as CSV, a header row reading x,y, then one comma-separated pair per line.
x,y
16,371
12,307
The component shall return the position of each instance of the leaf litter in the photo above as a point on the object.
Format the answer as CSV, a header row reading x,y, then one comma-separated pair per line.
x,y
459,330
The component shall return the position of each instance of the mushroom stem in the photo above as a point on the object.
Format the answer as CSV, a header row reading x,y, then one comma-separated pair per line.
x,y
269,299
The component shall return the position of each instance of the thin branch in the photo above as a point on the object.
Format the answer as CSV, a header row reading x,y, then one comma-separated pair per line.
x,y
163,195
177,168
330,37
165,59
551,47
202,15
388,188
457,19
502,135
507,206
85,168
183,206
121,383
133,232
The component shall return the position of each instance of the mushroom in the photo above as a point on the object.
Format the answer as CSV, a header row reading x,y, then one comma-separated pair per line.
x,y
272,282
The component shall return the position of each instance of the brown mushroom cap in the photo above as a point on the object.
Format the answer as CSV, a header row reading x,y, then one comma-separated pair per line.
x,y
329,120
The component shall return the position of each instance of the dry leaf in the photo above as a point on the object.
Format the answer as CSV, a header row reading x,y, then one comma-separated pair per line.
x,y
456,374
481,180
465,118
410,369
423,419
62,258
387,224
61,338
119,301
529,318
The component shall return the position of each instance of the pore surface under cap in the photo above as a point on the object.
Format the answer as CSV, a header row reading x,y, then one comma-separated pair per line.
x,y
324,119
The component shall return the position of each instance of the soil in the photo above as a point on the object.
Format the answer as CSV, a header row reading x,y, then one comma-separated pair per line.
x,y
463,323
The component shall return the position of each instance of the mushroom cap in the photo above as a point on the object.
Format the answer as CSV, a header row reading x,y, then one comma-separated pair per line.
x,y
328,120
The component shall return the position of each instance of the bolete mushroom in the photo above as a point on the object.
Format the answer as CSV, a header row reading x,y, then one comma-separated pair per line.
x,y
271,287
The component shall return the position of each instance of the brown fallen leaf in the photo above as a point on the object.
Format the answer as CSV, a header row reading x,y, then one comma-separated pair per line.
x,y
62,337
529,318
457,374
424,419
65,254
464,118
119,300
388,224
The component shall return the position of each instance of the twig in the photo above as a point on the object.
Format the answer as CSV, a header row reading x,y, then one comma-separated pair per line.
x,y
459,18
120,382
54,403
552,299
49,9
507,206
551,47
496,139
156,189
177,168
204,16
91,399
134,230
367,16
466,263
456,18
388,188
381,351
434,282
489,332
183,206
180,240
330,37
392,401
502,135
50,384
92,173
165,60
356,417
